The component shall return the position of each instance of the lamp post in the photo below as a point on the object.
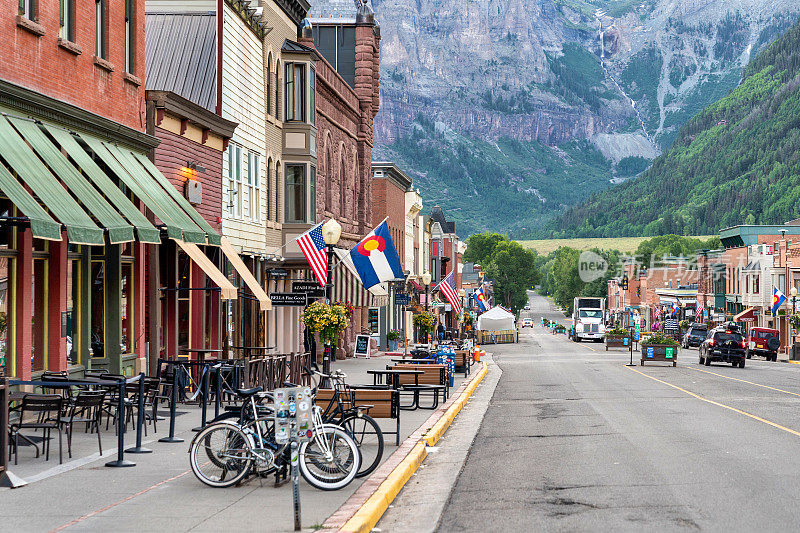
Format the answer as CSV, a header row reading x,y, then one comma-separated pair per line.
x,y
426,280
793,292
331,232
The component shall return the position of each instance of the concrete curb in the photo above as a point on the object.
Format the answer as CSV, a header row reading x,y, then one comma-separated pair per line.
x,y
371,511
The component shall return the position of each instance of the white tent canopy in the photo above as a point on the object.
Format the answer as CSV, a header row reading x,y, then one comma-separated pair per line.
x,y
496,319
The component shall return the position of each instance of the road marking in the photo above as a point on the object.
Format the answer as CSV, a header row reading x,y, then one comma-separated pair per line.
x,y
744,381
712,402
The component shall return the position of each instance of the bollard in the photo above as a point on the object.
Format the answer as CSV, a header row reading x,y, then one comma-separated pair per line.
x,y
173,401
121,461
204,398
140,420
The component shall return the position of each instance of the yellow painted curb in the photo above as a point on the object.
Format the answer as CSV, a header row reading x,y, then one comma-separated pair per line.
x,y
368,514
372,510
795,362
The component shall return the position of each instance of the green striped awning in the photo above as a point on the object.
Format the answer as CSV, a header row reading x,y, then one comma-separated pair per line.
x,y
42,225
81,229
119,230
145,232
179,225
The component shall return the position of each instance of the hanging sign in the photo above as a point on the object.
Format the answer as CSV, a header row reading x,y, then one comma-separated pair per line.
x,y
289,299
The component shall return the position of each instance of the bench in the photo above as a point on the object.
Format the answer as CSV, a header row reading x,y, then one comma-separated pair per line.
x,y
463,362
383,403
433,379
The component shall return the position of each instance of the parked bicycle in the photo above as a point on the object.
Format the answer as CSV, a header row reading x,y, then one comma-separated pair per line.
x,y
224,453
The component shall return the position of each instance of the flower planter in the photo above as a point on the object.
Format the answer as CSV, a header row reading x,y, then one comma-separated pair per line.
x,y
392,345
618,341
660,352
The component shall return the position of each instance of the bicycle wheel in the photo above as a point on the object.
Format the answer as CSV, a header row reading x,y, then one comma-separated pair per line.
x,y
369,439
220,455
330,460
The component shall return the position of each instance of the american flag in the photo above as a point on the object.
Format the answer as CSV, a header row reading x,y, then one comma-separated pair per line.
x,y
313,247
448,288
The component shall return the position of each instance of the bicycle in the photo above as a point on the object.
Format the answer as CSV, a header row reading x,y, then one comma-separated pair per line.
x,y
224,453
343,411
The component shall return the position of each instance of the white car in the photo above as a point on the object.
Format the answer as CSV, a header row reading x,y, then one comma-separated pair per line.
x,y
527,308
527,323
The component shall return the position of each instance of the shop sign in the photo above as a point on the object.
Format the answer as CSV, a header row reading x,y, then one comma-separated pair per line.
x,y
295,299
311,288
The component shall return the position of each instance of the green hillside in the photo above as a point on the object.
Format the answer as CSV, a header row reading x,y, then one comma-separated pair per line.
x,y
737,161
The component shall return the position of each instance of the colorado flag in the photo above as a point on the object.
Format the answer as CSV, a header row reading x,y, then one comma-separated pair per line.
x,y
777,300
480,298
375,257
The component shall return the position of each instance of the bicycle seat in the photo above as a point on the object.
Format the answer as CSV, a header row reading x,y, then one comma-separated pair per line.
x,y
246,393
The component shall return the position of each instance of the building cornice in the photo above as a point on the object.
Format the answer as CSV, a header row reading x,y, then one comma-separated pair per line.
x,y
188,110
40,106
294,9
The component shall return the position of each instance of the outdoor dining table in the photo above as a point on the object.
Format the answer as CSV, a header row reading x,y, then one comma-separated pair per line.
x,y
378,376
251,351
430,361
202,353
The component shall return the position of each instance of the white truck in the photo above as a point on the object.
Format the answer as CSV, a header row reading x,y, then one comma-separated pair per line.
x,y
588,318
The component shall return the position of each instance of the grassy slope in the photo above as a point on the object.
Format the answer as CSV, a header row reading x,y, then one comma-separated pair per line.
x,y
622,244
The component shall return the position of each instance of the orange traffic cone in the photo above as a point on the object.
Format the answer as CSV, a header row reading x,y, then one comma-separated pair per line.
x,y
476,354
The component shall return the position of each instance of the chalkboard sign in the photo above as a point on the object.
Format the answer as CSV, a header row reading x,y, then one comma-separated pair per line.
x,y
362,345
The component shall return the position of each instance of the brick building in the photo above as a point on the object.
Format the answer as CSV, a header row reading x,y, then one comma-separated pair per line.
x,y
76,187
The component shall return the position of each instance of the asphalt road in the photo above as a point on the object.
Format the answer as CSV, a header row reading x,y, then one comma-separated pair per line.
x,y
573,440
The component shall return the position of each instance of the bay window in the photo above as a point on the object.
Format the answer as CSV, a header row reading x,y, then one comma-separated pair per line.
x,y
295,92
295,178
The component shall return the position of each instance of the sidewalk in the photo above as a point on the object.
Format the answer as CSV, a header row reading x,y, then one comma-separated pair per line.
x,y
161,493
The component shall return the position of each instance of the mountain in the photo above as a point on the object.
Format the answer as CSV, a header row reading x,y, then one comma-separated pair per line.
x,y
587,92
736,162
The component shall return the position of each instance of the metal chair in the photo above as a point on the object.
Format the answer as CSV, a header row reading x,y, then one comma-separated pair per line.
x,y
47,408
86,407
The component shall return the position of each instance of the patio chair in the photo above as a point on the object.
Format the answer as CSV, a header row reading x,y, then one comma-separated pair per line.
x,y
86,407
47,410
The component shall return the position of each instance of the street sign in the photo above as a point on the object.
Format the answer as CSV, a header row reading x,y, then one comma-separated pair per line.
x,y
291,299
401,298
311,288
637,331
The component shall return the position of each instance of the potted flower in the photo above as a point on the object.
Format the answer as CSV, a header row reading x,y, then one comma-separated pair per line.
x,y
657,347
328,321
618,337
392,338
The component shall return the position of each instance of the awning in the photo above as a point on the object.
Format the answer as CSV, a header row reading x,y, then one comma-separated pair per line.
x,y
145,231
179,225
81,229
247,276
229,292
746,316
119,230
42,225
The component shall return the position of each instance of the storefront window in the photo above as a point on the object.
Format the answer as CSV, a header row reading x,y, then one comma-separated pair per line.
x,y
5,289
38,318
184,273
126,307
73,296
98,309
372,319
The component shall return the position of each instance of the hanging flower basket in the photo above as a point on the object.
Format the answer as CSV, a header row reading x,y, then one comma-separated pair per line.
x,y
328,321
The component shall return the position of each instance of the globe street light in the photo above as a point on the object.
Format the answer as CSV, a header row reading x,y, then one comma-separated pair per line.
x,y
426,280
793,292
331,232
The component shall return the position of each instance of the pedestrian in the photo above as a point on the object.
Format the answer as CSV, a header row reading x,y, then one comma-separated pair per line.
x,y
440,332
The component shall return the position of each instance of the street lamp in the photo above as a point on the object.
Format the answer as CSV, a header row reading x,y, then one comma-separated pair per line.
x,y
331,232
793,292
426,280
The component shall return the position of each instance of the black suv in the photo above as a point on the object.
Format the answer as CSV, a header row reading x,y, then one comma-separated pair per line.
x,y
695,336
724,343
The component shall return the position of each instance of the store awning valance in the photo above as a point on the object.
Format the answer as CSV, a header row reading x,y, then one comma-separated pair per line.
x,y
746,316
42,225
145,232
81,229
119,230
247,276
179,225
229,292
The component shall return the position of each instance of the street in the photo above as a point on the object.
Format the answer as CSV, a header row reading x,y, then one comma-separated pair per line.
x,y
575,440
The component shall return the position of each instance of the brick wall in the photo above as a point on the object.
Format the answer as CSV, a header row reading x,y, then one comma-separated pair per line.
x,y
388,200
33,58
171,157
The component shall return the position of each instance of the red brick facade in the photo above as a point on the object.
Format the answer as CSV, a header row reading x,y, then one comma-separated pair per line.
x,y
34,57
388,200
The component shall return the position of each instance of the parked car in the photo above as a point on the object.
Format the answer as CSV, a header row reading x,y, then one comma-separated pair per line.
x,y
527,308
527,322
765,342
724,343
695,336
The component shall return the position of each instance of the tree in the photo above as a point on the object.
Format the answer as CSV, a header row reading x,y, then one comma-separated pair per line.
x,y
480,247
512,268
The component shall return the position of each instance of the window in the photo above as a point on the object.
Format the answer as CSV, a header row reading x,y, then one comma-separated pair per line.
x,y
295,91
312,185
782,282
277,191
100,28
126,307
269,87
312,108
755,285
267,179
66,28
27,9
97,316
342,187
295,210
235,180
129,49
277,91
254,186
337,44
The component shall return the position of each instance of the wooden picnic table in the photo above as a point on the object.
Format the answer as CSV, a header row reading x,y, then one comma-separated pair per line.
x,y
429,361
378,376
